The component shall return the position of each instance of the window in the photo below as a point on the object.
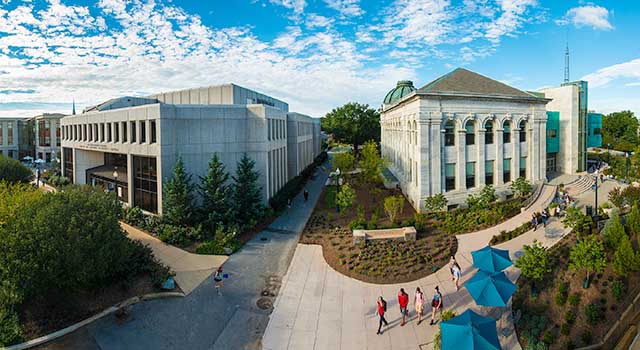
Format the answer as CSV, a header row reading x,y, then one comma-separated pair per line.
x,y
58,135
68,163
471,174
101,132
108,132
552,133
506,136
523,131
470,137
488,136
449,133
597,131
116,132
124,132
153,131
488,172
450,177
506,170
10,134
523,167
143,131
44,133
84,131
133,132
145,185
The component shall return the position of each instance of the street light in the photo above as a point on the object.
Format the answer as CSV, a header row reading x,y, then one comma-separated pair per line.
x,y
115,176
337,187
595,188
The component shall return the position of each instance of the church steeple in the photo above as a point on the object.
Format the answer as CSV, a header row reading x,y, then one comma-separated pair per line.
x,y
73,112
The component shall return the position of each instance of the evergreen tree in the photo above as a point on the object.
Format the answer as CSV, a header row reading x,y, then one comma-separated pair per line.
x,y
613,232
633,221
215,194
624,259
178,197
246,194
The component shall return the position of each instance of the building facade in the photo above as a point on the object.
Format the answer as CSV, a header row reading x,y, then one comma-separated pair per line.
x,y
10,137
129,145
461,132
300,143
48,136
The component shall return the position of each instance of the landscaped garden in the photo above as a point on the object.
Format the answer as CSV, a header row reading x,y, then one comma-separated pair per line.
x,y
571,295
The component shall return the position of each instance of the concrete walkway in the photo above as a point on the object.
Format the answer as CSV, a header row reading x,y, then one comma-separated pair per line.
x,y
191,269
319,308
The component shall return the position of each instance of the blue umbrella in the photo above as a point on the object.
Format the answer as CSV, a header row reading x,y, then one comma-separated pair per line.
x,y
490,289
469,331
491,260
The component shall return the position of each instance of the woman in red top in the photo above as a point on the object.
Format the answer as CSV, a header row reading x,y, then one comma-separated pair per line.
x,y
403,301
382,307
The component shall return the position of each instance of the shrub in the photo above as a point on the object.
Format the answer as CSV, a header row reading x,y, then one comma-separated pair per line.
x,y
593,313
58,181
134,217
574,299
618,290
10,329
436,202
548,337
346,197
178,235
345,161
588,255
437,340
535,262
570,317
210,248
13,171
565,329
625,259
521,187
393,206
586,337
613,231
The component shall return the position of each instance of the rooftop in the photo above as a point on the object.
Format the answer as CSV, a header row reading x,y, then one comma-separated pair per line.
x,y
463,81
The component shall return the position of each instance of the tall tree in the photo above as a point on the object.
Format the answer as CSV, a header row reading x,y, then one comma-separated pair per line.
x,y
215,194
13,171
371,163
588,255
246,193
353,123
620,130
177,208
535,263
613,231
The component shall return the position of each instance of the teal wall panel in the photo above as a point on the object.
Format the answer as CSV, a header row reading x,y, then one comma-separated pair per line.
x,y
553,132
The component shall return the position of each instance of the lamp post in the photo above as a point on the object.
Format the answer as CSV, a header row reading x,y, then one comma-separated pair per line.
x,y
115,185
337,187
626,176
595,187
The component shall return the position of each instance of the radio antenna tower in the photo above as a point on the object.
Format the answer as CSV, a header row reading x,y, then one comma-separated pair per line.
x,y
566,63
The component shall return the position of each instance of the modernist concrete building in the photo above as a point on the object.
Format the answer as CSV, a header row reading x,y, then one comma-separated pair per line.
x,y
300,142
131,144
460,132
47,136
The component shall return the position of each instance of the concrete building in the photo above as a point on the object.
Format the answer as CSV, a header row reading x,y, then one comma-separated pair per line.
x,y
47,136
10,137
460,132
300,143
130,144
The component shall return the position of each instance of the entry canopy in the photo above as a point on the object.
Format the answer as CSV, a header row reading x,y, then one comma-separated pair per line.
x,y
470,331
491,259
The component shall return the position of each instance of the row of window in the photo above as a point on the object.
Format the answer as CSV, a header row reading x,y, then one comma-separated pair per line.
x,y
470,173
470,136
44,132
305,129
276,129
112,132
9,127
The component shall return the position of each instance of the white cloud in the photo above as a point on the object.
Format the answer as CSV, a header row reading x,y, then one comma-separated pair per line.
x,y
603,76
510,20
593,16
416,21
296,5
347,8
313,20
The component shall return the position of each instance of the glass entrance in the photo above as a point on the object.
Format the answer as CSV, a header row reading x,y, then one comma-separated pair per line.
x,y
551,163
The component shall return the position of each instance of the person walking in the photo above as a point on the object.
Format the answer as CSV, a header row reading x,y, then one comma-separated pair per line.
x,y
305,194
403,301
418,300
534,221
380,310
457,273
544,217
436,304
452,262
217,278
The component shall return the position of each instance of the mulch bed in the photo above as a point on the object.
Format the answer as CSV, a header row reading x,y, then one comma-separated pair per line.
x,y
46,315
599,293
382,262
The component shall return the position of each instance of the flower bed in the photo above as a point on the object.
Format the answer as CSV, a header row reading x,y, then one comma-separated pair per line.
x,y
509,235
460,221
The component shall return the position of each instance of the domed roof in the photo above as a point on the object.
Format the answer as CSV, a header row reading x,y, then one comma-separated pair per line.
x,y
403,88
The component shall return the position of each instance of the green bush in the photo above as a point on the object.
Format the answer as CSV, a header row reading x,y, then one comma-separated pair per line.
x,y
178,235
574,299
593,313
508,235
561,295
13,171
210,248
548,337
58,181
586,337
467,220
134,217
565,329
570,317
618,290
10,328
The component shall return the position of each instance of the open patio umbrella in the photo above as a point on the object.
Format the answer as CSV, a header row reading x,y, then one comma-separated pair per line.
x,y
27,158
469,331
490,289
491,260
39,161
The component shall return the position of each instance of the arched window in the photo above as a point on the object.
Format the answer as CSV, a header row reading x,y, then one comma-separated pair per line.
x,y
450,133
523,131
488,135
470,137
506,136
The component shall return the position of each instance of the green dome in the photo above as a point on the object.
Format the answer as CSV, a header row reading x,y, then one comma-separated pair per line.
x,y
401,90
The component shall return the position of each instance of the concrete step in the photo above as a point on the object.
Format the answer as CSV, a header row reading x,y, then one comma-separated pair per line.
x,y
583,184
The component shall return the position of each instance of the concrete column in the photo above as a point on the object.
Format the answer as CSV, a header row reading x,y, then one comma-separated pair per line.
x,y
130,180
424,165
543,149
436,149
480,158
499,168
461,160
515,158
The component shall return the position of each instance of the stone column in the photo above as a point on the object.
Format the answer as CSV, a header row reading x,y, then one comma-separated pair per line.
x,y
480,158
499,169
515,157
130,181
436,149
461,160
425,175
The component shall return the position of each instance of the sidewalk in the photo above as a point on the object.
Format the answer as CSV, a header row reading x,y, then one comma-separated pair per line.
x,y
191,269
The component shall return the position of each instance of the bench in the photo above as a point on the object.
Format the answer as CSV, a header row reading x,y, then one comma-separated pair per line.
x,y
401,233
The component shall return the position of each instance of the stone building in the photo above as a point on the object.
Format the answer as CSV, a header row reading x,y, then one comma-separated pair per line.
x,y
47,136
130,144
9,137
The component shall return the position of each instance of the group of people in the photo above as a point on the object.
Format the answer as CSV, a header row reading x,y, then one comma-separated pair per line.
x,y
540,218
437,302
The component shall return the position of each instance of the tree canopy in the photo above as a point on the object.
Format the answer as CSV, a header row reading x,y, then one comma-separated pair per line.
x,y
535,263
13,171
620,130
353,123
588,255
246,194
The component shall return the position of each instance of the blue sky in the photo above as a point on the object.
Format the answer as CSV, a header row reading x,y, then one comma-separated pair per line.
x,y
314,54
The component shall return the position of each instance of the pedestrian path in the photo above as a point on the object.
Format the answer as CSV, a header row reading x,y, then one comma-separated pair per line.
x,y
319,308
191,269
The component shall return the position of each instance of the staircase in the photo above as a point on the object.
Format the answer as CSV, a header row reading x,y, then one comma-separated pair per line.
x,y
580,186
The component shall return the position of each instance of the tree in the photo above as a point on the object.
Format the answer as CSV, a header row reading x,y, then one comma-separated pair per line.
x,y
633,221
616,198
13,171
588,255
619,129
393,206
624,258
177,202
613,231
215,194
521,187
344,161
352,123
345,197
246,194
535,263
436,202
488,194
371,163
577,221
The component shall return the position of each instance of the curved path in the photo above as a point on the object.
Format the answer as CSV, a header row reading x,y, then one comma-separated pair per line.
x,y
319,308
